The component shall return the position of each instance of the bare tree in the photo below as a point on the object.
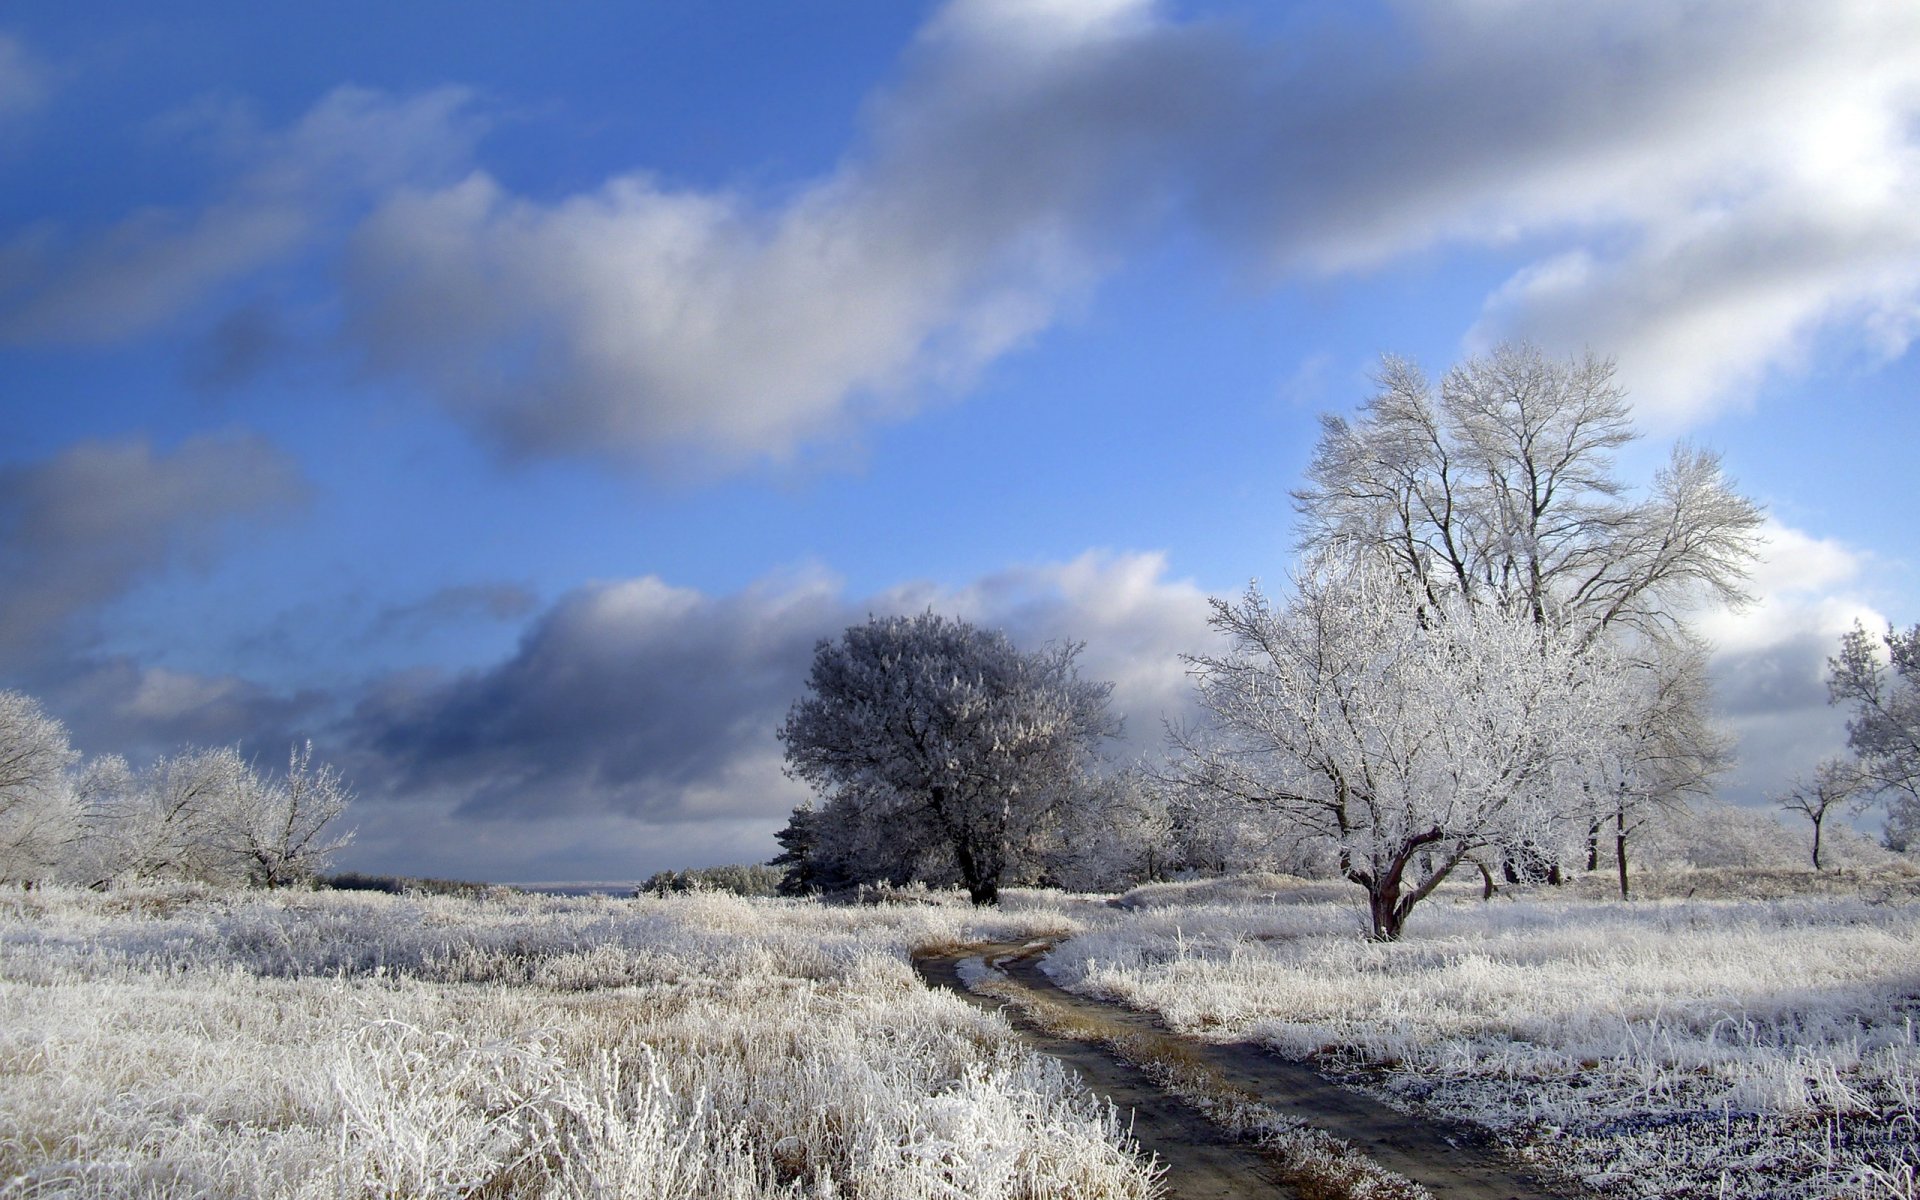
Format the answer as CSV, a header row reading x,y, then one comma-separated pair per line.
x,y
37,810
166,820
1834,783
1117,833
1879,678
1410,736
208,814
943,738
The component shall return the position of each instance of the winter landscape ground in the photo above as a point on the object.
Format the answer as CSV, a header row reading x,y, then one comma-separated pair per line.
x,y
1731,1034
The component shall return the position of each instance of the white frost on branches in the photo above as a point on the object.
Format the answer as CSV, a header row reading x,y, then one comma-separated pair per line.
x,y
1411,733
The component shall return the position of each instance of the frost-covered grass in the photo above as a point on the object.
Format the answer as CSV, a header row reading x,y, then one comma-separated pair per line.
x,y
188,1043
1675,1047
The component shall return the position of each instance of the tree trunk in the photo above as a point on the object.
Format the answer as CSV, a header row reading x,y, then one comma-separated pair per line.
x,y
1383,903
1620,850
1486,881
1816,842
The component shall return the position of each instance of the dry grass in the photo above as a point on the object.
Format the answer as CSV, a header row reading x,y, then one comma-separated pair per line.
x,y
182,1043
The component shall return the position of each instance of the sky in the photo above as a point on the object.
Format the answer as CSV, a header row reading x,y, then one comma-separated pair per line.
x,y
507,398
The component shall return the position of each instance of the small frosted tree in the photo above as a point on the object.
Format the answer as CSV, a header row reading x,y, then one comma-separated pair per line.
x,y
37,812
1667,750
280,832
938,738
1835,783
166,820
1411,733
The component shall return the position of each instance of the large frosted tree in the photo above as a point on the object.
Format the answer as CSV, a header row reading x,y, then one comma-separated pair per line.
x,y
1498,486
1409,736
930,740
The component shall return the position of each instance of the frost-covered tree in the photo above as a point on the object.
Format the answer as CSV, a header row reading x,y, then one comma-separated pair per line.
x,y
37,814
1499,487
1410,737
1118,833
937,739
1835,783
285,831
207,814
164,821
1879,679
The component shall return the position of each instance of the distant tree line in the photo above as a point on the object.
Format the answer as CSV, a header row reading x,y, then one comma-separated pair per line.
x,y
203,814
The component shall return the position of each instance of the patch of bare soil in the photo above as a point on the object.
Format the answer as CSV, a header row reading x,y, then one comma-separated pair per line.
x,y
1271,1126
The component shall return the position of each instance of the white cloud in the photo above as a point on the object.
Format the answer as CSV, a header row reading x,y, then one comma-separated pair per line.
x,y
1711,191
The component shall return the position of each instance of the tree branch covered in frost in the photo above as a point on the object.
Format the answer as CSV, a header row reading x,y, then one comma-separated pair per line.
x,y
1499,488
37,810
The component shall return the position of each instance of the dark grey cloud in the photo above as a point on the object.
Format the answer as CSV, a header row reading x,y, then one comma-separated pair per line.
x,y
80,528
660,703
115,705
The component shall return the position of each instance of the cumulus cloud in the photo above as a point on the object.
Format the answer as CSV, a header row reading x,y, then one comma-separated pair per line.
x,y
659,703
87,287
80,528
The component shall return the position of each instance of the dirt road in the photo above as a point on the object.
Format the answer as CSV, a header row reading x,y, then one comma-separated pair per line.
x,y
1203,1159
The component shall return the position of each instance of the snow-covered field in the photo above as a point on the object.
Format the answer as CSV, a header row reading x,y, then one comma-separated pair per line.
x,y
1679,1047
186,1043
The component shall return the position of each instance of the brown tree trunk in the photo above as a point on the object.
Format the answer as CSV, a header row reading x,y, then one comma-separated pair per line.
x,y
1620,849
1816,841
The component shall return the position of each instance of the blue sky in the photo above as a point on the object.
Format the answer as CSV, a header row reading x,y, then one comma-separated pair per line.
x,y
507,400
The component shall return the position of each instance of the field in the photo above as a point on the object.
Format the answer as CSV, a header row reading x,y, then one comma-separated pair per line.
x,y
169,1043
1751,1038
